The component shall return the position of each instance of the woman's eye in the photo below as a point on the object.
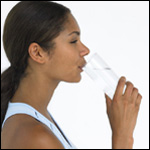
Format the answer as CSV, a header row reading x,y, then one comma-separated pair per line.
x,y
74,42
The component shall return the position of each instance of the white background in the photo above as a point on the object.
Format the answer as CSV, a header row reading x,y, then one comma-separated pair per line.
x,y
119,32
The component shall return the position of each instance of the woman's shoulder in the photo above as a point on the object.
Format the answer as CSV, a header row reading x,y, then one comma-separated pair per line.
x,y
24,132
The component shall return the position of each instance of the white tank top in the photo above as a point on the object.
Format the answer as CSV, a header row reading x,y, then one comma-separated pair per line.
x,y
22,108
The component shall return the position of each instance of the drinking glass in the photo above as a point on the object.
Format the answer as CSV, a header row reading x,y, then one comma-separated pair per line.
x,y
99,71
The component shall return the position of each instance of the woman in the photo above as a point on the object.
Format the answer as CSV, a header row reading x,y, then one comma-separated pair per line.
x,y
42,43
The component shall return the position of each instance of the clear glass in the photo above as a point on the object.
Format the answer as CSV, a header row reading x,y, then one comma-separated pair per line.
x,y
102,74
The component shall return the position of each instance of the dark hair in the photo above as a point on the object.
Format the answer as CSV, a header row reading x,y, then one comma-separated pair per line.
x,y
29,21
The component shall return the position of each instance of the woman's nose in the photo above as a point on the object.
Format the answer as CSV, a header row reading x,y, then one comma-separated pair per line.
x,y
84,51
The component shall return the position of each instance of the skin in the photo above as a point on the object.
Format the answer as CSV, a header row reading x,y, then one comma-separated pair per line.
x,y
45,72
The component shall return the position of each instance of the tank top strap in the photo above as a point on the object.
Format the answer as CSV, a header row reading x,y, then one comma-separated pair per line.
x,y
22,108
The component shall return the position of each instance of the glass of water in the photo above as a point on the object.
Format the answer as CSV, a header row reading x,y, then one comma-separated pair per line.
x,y
102,74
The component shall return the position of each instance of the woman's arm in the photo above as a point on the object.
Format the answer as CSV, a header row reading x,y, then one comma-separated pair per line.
x,y
119,142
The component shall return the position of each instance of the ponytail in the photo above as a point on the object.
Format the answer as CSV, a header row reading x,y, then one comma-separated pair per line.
x,y
9,84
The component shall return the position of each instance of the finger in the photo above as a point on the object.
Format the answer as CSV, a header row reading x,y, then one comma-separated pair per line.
x,y
120,87
108,102
134,94
129,89
138,100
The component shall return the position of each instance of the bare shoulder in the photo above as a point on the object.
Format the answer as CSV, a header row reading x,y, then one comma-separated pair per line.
x,y
24,132
42,137
39,136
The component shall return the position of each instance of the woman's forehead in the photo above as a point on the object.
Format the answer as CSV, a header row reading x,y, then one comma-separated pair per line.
x,y
71,25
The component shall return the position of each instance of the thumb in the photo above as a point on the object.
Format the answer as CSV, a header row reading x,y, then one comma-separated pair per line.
x,y
108,102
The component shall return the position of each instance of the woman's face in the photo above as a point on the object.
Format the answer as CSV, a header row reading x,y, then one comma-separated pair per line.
x,y
68,57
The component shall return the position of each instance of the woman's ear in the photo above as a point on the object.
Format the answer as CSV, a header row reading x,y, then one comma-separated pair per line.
x,y
36,53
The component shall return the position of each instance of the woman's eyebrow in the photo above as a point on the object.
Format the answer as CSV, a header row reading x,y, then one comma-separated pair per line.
x,y
74,32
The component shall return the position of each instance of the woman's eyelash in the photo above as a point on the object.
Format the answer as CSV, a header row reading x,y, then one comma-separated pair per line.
x,y
73,41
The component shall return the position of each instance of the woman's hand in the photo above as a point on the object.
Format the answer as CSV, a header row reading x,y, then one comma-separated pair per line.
x,y
123,109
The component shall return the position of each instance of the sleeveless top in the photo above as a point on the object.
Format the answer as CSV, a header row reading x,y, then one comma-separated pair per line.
x,y
22,108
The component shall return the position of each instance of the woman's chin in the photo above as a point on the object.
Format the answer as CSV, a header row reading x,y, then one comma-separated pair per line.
x,y
74,80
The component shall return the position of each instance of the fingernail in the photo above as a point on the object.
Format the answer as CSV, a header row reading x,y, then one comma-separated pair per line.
x,y
123,78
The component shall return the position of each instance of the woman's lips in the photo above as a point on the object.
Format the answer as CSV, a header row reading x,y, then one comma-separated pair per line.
x,y
80,68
